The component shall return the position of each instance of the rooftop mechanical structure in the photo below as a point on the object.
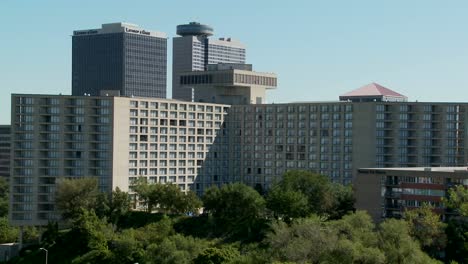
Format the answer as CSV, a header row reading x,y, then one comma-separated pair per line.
x,y
194,29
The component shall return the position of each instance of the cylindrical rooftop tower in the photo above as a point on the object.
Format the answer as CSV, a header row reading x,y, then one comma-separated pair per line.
x,y
194,29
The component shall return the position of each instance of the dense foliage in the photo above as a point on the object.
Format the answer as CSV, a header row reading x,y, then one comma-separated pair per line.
x,y
74,196
241,224
166,198
3,197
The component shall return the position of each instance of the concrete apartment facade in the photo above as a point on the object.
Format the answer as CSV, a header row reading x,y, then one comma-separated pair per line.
x,y
194,50
121,57
5,149
54,137
196,145
114,139
389,192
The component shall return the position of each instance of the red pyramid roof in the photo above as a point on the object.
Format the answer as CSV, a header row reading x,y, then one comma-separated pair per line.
x,y
373,89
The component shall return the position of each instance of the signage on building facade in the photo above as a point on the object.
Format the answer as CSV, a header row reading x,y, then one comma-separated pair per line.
x,y
143,32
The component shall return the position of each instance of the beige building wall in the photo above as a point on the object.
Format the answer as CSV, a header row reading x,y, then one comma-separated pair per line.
x,y
196,145
364,137
229,86
120,144
368,193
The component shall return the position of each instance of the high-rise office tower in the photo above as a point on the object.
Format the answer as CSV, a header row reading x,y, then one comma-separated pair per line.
x,y
122,57
194,50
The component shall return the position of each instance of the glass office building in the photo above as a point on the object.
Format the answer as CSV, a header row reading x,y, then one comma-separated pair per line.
x,y
121,57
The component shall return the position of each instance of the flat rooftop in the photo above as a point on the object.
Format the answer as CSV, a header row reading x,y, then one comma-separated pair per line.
x,y
119,27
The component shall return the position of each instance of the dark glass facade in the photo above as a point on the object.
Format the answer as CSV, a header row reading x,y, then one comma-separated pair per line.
x,y
131,63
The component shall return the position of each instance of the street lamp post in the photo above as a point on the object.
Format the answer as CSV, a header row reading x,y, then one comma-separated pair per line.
x,y
46,253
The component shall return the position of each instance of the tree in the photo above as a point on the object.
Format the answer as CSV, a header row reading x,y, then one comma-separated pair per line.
x,y
343,202
398,245
8,233
113,206
144,191
92,236
119,205
30,234
73,196
236,207
126,247
426,227
457,229
287,204
50,235
357,227
175,249
315,187
323,197
3,197
167,198
214,255
156,232
458,200
306,240
357,240
457,240
189,203
346,251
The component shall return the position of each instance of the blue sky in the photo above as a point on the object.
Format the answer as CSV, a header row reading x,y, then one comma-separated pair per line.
x,y
319,49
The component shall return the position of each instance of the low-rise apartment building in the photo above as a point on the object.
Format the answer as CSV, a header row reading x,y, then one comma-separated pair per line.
x,y
389,192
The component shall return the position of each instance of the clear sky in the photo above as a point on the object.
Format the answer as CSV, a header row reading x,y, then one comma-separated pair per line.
x,y
319,49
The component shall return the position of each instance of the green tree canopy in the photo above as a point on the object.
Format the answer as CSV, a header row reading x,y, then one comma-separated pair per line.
x,y
3,197
236,207
114,205
215,255
398,246
457,229
343,201
427,228
73,196
287,204
166,198
8,233
306,240
91,235
323,197
357,240
175,249
458,200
